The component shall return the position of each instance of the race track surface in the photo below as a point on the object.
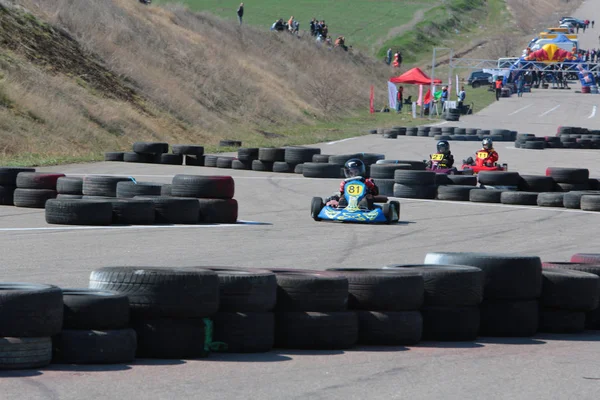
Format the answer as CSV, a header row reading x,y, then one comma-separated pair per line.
x,y
277,231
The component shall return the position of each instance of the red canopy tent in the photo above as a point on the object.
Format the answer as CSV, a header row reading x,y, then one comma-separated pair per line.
x,y
415,77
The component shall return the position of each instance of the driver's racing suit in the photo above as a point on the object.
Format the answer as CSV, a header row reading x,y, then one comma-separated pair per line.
x,y
372,189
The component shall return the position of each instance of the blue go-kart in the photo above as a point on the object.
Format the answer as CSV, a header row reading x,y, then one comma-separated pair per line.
x,y
356,207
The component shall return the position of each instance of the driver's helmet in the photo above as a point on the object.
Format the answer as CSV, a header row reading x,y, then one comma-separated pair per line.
x,y
487,143
354,168
443,147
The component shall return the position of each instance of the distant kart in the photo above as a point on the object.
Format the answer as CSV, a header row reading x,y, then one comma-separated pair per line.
x,y
356,207
478,166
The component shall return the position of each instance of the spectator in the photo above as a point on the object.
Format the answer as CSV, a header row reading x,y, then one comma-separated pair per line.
x,y
498,87
399,59
290,24
520,83
461,97
388,56
399,100
444,97
396,63
313,27
240,12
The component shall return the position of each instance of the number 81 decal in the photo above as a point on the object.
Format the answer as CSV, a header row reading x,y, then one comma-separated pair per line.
x,y
354,190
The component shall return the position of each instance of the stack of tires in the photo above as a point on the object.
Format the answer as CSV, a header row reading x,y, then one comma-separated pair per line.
x,y
8,183
245,322
213,196
101,186
383,175
531,142
294,157
513,284
143,152
170,308
414,184
35,188
569,179
190,154
588,264
69,187
245,157
452,114
451,302
387,303
267,156
95,329
311,311
423,131
567,295
29,316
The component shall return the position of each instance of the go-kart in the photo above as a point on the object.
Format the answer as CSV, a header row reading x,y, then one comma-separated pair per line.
x,y
435,164
356,207
478,165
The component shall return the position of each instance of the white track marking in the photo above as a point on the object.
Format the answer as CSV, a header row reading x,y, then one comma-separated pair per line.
x,y
520,109
87,228
593,114
342,140
440,123
550,110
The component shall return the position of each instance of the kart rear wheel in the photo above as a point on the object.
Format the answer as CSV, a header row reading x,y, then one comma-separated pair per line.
x,y
315,208
396,216
390,211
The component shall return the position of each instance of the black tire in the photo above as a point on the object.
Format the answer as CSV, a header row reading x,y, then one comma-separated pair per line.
x,y
321,170
174,210
188,150
98,185
455,192
342,158
509,318
391,211
247,154
224,162
485,195
264,166
387,328
150,147
536,183
550,199
383,289
245,332
316,330
305,290
33,198
283,167
140,158
133,211
95,309
271,155
8,175
390,135
230,143
299,169
561,321
207,187
569,290
590,202
316,206
572,200
585,258
37,180
507,277
498,178
246,290
7,195
25,353
210,160
78,212
450,323
572,187
443,179
568,175
385,186
414,192
238,164
69,196
30,310
416,165
162,292
411,177
319,158
464,180
94,346
300,155
449,285
130,189
165,338
522,198
537,145
197,161
69,185
218,211
372,158
171,159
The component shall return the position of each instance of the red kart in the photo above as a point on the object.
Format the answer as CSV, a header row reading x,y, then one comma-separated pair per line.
x,y
478,165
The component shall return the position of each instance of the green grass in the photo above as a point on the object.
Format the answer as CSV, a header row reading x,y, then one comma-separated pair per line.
x,y
362,22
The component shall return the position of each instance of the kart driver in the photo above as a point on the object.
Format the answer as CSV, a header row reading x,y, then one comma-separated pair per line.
x,y
444,157
354,169
487,156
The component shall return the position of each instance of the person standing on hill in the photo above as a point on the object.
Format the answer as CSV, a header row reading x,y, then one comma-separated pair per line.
x,y
240,12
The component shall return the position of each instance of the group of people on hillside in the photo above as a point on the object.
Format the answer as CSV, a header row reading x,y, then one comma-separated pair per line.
x,y
395,60
291,26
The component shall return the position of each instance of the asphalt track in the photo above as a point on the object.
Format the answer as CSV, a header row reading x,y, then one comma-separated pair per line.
x,y
278,232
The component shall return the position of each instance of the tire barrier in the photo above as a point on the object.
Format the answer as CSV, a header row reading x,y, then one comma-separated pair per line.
x,y
451,133
567,137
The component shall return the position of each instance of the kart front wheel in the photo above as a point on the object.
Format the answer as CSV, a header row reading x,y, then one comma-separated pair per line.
x,y
315,208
